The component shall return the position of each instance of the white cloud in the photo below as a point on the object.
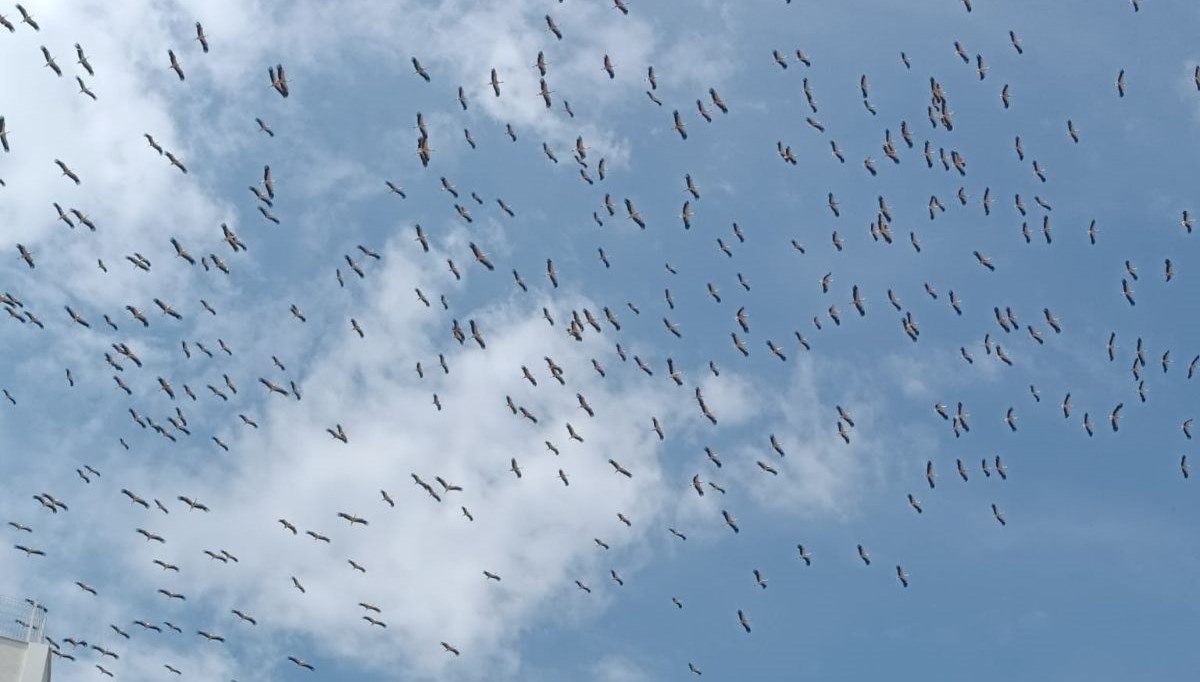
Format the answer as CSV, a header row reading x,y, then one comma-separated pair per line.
x,y
424,560
618,668
534,532
730,396
819,474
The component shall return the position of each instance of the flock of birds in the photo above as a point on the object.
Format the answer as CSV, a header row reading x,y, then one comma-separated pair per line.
x,y
124,359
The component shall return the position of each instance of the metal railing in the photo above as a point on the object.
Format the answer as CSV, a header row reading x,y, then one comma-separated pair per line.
x,y
22,619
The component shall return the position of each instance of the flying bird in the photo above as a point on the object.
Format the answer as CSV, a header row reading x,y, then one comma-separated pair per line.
x,y
553,27
201,38
743,621
53,65
420,69
67,171
26,18
729,521
301,663
679,125
175,64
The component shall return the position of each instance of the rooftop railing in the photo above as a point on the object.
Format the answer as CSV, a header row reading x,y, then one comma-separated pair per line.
x,y
22,619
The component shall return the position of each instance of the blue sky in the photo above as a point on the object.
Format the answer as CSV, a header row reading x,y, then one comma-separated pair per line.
x,y
1089,578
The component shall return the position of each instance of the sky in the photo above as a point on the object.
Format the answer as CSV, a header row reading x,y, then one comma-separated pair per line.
x,y
1089,577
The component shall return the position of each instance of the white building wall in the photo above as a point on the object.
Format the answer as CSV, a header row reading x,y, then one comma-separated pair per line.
x,y
21,662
